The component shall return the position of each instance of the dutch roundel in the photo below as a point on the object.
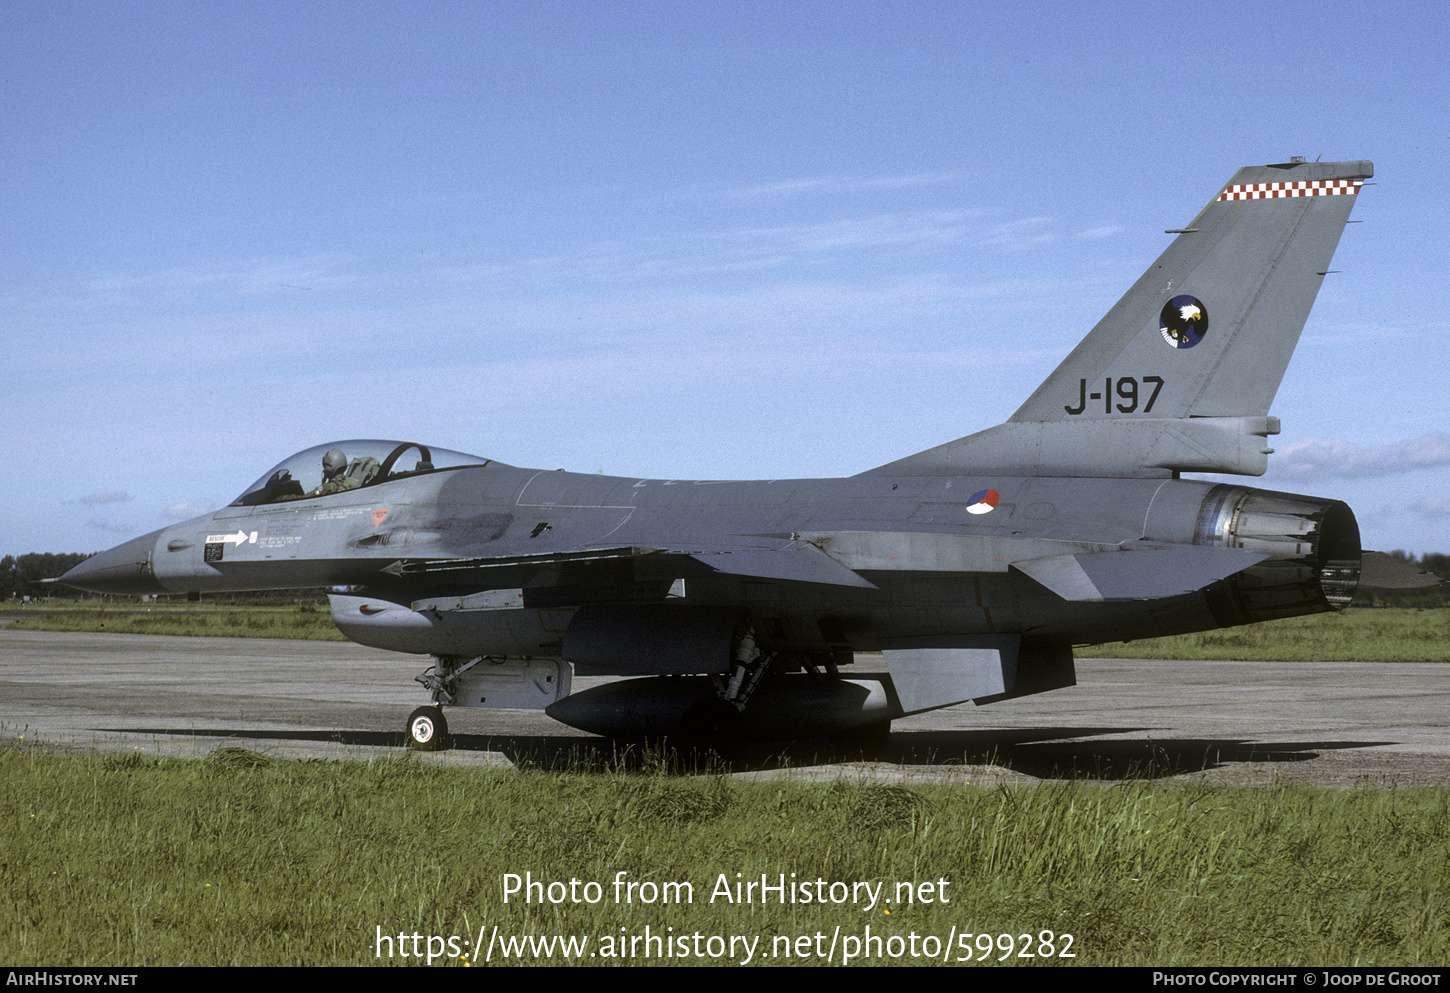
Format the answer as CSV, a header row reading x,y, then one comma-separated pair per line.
x,y
983,502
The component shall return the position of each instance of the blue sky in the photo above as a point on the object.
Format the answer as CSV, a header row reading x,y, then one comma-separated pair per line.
x,y
737,240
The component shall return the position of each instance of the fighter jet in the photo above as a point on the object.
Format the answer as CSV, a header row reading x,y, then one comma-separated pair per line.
x,y
789,608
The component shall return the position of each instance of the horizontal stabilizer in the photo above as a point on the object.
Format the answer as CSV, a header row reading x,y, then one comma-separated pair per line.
x,y
1137,573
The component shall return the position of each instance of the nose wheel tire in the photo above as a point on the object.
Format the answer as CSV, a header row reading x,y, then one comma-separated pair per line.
x,y
427,729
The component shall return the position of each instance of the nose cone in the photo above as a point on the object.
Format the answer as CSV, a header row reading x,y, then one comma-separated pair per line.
x,y
124,569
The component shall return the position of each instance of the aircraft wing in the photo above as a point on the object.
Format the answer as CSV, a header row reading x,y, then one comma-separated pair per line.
x,y
1145,573
783,561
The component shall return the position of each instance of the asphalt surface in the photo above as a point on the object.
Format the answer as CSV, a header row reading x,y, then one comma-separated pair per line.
x,y
1327,723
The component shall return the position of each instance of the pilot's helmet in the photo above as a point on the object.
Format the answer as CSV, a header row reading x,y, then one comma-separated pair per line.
x,y
333,463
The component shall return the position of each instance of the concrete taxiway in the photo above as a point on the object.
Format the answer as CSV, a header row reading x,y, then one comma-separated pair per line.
x,y
1331,723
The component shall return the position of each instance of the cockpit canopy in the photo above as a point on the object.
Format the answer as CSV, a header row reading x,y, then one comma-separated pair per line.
x,y
367,462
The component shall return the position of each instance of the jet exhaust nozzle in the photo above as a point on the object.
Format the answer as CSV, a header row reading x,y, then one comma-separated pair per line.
x,y
1312,544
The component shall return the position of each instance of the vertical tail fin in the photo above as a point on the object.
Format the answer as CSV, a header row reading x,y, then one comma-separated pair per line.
x,y
1179,375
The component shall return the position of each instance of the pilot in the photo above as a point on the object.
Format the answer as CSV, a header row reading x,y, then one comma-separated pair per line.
x,y
334,474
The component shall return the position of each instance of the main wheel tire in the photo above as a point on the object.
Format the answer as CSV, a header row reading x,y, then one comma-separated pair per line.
x,y
866,739
427,729
714,725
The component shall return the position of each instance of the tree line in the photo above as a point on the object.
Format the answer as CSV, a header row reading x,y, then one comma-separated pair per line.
x,y
20,575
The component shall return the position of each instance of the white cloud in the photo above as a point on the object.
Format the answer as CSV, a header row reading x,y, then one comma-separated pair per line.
x,y
244,277
831,185
1439,507
113,496
935,227
1017,235
183,509
1324,457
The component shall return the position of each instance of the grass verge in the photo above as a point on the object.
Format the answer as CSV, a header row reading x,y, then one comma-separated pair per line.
x,y
1358,635
244,859
305,622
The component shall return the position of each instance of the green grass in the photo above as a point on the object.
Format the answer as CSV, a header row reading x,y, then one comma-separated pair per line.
x,y
244,859
1355,635
305,621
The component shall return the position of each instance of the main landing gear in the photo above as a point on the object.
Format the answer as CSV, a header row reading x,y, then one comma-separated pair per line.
x,y
865,741
717,723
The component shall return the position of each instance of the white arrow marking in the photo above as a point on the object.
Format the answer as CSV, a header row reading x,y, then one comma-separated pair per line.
x,y
240,538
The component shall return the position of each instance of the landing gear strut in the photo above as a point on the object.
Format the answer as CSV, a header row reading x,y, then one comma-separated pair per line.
x,y
718,722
